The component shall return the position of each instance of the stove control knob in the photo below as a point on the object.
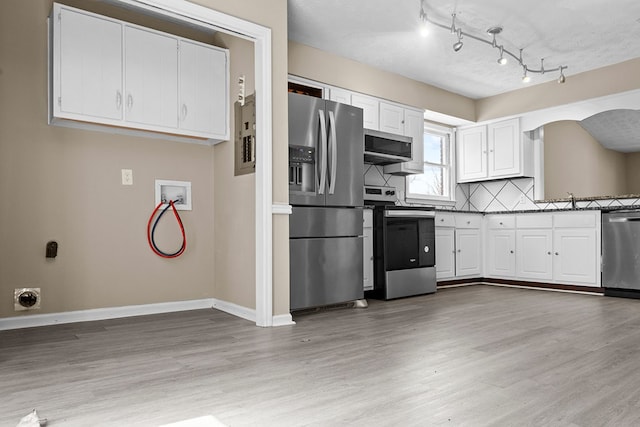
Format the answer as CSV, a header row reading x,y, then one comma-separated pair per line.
x,y
426,249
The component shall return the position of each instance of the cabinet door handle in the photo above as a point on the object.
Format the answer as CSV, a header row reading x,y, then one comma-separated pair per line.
x,y
129,102
118,100
184,111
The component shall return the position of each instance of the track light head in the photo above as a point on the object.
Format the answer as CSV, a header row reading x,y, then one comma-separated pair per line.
x,y
458,45
562,78
525,77
502,60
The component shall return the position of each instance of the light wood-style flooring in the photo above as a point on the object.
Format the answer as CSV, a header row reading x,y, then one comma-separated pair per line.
x,y
472,356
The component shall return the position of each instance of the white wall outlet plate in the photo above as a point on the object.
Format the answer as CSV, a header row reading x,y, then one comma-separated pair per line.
x,y
127,177
26,299
178,191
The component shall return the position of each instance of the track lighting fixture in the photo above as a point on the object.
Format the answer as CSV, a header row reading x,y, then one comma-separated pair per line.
x,y
458,45
493,31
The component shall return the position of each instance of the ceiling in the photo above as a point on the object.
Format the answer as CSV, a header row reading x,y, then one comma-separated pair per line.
x,y
580,34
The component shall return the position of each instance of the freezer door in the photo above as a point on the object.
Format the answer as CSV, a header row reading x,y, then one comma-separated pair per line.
x,y
325,222
325,271
345,155
306,122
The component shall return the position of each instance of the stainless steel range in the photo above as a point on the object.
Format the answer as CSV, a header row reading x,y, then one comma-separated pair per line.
x,y
403,246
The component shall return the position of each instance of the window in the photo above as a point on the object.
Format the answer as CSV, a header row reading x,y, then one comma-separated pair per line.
x,y
437,181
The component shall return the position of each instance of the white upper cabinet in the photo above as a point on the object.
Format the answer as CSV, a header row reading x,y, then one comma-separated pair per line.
x,y
202,89
151,78
88,66
495,151
472,154
108,72
391,118
504,148
340,95
370,110
413,126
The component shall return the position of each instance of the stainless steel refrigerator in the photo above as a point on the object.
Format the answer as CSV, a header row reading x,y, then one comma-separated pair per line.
x,y
326,149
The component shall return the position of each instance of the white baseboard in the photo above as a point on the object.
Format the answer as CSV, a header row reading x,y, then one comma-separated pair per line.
x,y
283,320
235,309
34,320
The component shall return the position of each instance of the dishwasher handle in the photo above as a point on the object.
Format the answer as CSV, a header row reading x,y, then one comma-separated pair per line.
x,y
625,219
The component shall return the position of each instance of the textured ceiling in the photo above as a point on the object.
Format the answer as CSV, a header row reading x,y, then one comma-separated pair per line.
x,y
581,34
616,129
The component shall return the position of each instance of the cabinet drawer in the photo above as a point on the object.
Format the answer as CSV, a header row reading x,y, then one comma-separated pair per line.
x,y
468,221
445,220
501,222
575,220
534,221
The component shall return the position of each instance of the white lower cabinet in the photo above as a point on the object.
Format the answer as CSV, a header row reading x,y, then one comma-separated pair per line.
x,y
367,245
468,252
562,248
445,253
501,253
534,259
574,259
458,246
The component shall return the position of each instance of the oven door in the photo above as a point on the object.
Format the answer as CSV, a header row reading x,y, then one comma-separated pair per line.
x,y
409,242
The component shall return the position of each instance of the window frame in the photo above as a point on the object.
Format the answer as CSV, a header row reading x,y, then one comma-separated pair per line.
x,y
449,134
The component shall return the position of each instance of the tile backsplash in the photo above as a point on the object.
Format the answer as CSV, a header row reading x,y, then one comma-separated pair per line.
x,y
491,196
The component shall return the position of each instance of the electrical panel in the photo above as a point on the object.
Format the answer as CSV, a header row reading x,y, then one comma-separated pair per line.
x,y
245,135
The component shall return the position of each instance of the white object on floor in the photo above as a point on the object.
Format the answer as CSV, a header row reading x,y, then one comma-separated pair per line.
x,y
31,420
206,421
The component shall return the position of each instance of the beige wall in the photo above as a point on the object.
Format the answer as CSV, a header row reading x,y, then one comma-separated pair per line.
x,y
609,80
575,162
314,64
64,184
633,172
234,219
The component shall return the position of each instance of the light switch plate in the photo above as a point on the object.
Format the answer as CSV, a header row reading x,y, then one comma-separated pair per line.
x,y
127,177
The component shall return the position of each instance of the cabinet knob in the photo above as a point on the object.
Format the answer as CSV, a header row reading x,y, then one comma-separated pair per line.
x,y
441,219
511,251
468,222
459,250
557,253
548,253
500,223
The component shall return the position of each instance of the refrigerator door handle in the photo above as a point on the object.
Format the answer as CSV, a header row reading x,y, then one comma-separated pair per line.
x,y
323,153
333,143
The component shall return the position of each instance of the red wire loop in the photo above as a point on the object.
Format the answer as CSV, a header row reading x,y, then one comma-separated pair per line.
x,y
150,237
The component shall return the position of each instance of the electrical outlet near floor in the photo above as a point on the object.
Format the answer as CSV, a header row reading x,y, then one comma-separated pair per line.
x,y
26,299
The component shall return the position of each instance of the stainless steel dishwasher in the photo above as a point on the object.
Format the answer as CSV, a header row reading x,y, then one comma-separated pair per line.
x,y
621,253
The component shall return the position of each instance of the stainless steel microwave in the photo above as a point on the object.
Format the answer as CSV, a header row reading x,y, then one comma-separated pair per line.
x,y
383,148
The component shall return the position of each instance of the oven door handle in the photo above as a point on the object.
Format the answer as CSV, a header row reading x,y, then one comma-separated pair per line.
x,y
409,214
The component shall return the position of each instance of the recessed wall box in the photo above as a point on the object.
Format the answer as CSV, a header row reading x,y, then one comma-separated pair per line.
x,y
245,135
178,191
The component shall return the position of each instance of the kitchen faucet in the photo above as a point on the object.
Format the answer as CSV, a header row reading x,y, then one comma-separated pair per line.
x,y
573,200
